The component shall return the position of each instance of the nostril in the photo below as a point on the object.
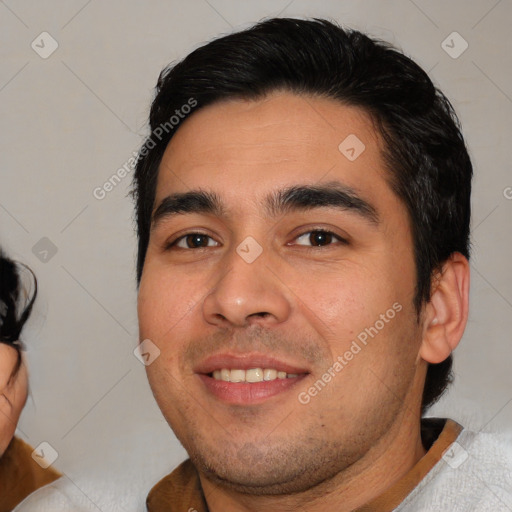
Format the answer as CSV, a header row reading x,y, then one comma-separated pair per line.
x,y
262,314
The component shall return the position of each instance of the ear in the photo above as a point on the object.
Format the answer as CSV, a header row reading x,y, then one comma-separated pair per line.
x,y
446,314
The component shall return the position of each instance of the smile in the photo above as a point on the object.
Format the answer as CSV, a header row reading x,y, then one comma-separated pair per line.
x,y
252,375
248,379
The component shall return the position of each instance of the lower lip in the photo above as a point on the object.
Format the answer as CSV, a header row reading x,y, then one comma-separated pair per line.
x,y
244,393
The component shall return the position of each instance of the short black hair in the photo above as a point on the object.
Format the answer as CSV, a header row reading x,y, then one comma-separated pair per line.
x,y
426,156
15,306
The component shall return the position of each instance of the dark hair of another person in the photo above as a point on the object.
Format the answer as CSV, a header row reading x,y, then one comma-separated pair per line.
x,y
12,319
426,157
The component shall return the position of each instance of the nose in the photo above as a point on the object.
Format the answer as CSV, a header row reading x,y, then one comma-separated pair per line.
x,y
247,293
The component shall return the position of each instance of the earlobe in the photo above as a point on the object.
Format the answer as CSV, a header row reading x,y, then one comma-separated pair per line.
x,y
446,313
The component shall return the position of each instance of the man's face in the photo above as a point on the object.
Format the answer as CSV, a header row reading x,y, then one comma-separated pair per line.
x,y
210,307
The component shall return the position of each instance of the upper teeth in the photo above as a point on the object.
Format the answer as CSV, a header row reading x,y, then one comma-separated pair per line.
x,y
252,375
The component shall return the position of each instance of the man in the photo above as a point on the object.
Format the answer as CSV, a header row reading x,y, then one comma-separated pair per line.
x,y
303,209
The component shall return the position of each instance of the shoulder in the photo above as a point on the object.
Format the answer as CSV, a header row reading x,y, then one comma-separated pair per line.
x,y
20,474
113,479
474,473
58,496
65,495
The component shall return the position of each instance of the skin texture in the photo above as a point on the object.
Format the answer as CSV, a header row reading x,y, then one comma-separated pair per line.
x,y
361,432
13,394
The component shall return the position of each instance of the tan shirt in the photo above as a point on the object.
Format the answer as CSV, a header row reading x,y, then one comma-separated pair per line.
x,y
181,490
20,475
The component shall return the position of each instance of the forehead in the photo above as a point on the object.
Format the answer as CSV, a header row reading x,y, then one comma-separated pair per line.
x,y
242,149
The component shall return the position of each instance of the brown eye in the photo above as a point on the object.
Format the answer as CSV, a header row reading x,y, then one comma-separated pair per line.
x,y
318,238
193,241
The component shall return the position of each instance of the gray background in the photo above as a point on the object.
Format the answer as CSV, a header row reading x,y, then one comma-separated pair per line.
x,y
70,120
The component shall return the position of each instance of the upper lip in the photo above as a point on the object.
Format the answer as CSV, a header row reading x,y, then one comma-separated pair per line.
x,y
246,362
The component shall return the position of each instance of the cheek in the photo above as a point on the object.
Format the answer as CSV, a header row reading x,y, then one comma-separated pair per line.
x,y
10,412
6,431
169,313
164,299
345,300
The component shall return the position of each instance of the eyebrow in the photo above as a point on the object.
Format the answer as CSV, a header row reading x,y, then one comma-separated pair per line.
x,y
332,194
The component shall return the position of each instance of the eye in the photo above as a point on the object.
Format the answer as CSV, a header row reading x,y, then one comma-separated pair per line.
x,y
313,238
193,241
319,238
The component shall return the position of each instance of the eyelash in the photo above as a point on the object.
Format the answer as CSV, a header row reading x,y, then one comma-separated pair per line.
x,y
174,243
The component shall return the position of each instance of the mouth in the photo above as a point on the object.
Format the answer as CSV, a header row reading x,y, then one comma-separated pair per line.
x,y
248,379
251,375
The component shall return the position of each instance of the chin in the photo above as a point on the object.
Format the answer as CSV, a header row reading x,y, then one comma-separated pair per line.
x,y
264,470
